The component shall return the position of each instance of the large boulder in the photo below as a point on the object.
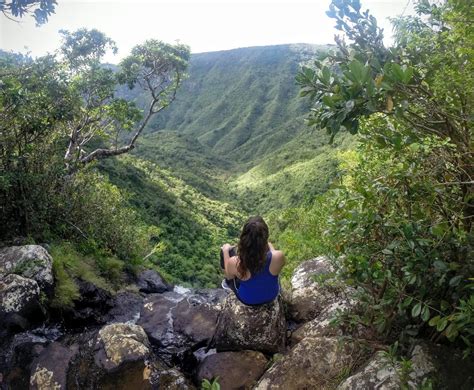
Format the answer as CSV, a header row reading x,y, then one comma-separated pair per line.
x,y
49,369
326,324
261,328
120,344
430,365
119,356
91,308
310,290
126,307
383,373
235,370
18,353
29,261
314,363
19,304
150,281
179,321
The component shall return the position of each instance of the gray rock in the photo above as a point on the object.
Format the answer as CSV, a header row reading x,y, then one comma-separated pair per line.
x,y
236,370
49,369
150,281
19,303
325,324
314,363
261,328
91,308
119,357
179,321
126,307
384,374
29,261
308,296
120,344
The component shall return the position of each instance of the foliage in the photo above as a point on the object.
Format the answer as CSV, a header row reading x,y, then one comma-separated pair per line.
x,y
242,103
41,9
62,108
210,385
400,226
401,235
96,213
191,226
33,101
70,264
407,81
155,66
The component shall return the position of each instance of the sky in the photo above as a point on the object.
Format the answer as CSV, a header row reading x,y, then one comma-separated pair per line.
x,y
204,25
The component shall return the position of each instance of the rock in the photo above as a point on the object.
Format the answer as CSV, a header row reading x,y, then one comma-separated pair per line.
x,y
384,374
29,261
19,304
91,308
308,296
314,363
119,357
126,307
49,370
236,370
18,353
115,357
150,281
324,326
176,322
169,379
261,328
121,343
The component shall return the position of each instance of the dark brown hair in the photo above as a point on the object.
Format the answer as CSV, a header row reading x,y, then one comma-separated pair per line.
x,y
253,246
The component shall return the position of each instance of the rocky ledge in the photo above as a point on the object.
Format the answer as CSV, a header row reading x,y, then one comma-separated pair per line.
x,y
170,337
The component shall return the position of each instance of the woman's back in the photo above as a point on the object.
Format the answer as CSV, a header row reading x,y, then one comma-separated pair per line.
x,y
261,287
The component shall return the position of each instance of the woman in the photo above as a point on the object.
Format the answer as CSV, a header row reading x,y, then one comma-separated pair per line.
x,y
253,273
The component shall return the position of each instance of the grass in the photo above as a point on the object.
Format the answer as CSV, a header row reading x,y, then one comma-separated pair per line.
x,y
69,264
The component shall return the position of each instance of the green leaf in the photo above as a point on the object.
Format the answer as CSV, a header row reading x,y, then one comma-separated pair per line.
x,y
434,321
452,331
425,313
415,311
397,72
325,75
357,70
440,265
455,281
442,324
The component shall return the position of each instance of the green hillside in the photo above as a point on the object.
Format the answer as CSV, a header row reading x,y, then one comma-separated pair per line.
x,y
241,103
236,130
192,226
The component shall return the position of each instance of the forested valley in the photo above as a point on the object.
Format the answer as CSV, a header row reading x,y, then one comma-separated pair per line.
x,y
353,150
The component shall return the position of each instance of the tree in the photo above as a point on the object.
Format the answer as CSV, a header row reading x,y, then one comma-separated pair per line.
x,y
425,81
155,66
402,216
41,9
61,112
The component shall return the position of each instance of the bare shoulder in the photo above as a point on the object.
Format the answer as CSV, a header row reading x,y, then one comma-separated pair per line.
x,y
278,257
278,261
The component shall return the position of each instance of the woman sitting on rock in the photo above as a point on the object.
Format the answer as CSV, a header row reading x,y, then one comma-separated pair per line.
x,y
252,272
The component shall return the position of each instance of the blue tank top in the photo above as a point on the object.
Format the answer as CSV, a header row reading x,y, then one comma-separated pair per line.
x,y
261,288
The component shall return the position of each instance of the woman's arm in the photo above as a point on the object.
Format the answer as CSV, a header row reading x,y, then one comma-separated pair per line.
x,y
230,266
278,261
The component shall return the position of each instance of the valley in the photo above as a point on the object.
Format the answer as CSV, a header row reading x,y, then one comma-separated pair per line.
x,y
234,143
